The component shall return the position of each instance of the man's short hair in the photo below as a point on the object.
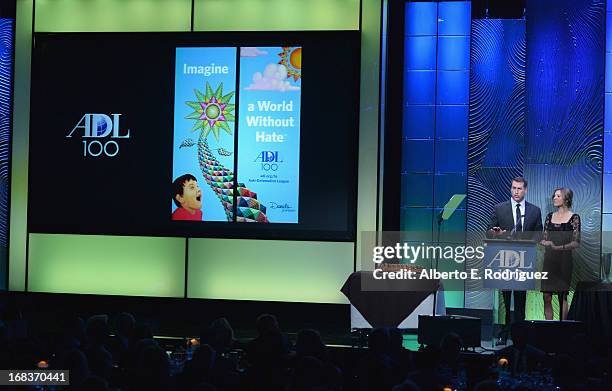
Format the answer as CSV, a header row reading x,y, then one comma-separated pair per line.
x,y
520,179
178,186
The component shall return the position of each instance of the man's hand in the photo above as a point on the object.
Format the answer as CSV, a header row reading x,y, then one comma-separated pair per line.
x,y
498,231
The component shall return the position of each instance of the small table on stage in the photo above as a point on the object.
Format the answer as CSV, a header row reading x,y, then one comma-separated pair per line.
x,y
390,303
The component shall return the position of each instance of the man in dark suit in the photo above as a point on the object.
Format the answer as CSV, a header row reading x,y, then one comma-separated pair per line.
x,y
515,219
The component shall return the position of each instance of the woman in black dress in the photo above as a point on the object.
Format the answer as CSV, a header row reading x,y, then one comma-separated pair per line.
x,y
561,236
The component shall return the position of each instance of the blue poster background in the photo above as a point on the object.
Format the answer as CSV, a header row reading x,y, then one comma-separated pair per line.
x,y
185,148
269,129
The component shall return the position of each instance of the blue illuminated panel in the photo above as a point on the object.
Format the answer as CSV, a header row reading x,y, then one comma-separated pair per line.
x,y
419,87
448,184
451,121
454,18
454,53
421,18
435,121
450,157
417,157
453,87
419,121
409,197
420,53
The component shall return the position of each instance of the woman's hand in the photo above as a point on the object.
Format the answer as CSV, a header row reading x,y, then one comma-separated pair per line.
x,y
547,243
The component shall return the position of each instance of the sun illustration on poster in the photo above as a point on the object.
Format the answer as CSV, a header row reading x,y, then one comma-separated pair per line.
x,y
213,112
291,58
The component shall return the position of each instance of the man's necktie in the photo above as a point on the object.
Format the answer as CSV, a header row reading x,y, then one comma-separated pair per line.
x,y
519,224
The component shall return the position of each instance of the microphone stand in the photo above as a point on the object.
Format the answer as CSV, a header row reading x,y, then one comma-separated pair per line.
x,y
446,212
515,234
435,298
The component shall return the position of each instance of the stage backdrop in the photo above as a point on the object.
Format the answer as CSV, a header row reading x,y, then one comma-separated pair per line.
x,y
536,110
565,112
496,141
536,98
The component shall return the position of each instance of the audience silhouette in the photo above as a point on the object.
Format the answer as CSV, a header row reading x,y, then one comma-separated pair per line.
x,y
128,358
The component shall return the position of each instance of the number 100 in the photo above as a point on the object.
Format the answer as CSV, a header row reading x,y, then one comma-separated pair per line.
x,y
96,148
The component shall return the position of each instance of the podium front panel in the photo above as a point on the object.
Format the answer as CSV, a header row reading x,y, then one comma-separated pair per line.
x,y
509,265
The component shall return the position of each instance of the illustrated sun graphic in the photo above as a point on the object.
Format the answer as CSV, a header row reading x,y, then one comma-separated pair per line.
x,y
291,58
212,111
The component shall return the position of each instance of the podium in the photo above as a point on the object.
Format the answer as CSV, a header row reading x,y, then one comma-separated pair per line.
x,y
509,264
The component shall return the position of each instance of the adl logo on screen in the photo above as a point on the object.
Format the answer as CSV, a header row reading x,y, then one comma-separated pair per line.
x,y
269,160
100,126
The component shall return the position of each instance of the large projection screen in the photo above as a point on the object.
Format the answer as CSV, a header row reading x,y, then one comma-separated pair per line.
x,y
336,256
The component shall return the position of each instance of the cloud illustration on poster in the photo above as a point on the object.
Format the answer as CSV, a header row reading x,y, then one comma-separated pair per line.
x,y
274,78
251,52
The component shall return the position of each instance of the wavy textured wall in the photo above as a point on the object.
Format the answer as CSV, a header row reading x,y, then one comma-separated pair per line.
x,y
565,111
496,141
6,87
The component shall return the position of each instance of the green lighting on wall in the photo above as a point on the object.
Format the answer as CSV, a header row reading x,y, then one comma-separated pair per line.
x,y
272,270
112,15
109,265
275,15
209,15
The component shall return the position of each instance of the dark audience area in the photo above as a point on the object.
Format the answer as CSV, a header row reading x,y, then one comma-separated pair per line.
x,y
118,351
